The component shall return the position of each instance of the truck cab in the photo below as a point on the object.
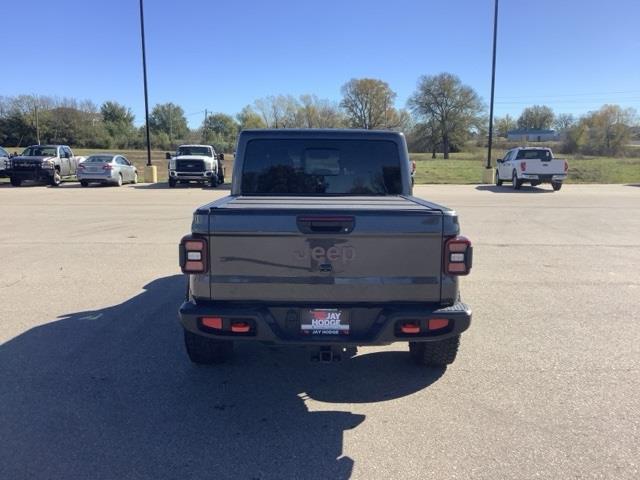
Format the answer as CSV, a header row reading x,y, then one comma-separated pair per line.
x,y
195,163
533,165
321,243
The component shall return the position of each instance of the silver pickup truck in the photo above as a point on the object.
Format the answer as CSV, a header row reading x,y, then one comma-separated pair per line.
x,y
321,243
44,163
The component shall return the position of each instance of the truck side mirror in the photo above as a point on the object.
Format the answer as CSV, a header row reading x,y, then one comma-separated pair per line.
x,y
167,155
221,156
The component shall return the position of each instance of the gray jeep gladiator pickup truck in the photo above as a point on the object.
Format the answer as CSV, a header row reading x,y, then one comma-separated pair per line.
x,y
321,243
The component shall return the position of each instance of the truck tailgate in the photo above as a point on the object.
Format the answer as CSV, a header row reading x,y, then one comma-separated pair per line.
x,y
542,167
325,250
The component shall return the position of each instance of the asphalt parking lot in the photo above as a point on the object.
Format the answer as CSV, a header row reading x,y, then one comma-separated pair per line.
x,y
94,382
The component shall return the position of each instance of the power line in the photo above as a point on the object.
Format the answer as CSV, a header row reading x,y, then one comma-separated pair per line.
x,y
570,95
577,102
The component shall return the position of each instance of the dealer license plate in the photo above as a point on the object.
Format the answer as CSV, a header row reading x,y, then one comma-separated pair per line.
x,y
325,321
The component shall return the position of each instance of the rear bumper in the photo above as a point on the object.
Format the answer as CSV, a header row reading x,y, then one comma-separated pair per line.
x,y
370,325
544,177
97,177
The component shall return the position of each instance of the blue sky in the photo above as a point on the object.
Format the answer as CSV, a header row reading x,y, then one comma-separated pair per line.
x,y
573,55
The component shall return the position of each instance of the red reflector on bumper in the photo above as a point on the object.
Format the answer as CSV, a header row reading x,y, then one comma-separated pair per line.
x,y
212,322
240,327
438,323
410,328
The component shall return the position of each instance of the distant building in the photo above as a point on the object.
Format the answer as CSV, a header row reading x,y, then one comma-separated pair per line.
x,y
531,135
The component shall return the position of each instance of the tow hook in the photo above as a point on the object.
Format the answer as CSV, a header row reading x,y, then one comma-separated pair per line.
x,y
331,353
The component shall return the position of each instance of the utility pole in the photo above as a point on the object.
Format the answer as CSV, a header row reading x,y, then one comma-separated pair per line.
x,y
144,73
493,83
35,107
204,127
171,126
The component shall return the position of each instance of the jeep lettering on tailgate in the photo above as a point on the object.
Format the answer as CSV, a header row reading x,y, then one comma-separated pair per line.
x,y
320,254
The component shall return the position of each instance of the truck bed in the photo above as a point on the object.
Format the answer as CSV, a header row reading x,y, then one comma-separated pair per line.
x,y
365,203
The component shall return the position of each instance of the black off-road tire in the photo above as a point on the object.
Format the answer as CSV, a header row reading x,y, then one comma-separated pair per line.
x,y
15,182
172,183
556,186
213,182
84,183
498,181
516,183
206,351
55,179
435,354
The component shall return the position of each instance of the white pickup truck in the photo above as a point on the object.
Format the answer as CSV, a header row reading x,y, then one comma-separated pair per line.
x,y
4,162
534,165
195,163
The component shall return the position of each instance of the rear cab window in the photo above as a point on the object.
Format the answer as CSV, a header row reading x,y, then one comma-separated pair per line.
x,y
321,167
538,153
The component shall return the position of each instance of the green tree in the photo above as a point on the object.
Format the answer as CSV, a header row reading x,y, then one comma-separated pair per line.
x,y
118,121
113,112
563,122
314,112
455,108
369,103
503,125
249,118
606,131
537,117
279,111
425,137
221,131
169,118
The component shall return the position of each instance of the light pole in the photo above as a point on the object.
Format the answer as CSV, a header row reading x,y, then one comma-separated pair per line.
x,y
144,73
493,83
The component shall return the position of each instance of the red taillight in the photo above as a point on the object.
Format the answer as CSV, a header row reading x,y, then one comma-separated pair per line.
x,y
566,166
458,256
107,166
410,328
523,166
240,327
193,255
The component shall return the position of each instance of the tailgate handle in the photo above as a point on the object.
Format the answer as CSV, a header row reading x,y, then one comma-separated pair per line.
x,y
325,224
